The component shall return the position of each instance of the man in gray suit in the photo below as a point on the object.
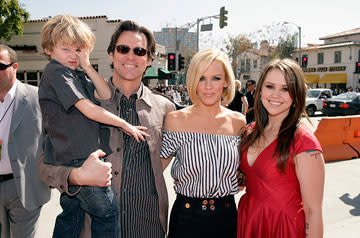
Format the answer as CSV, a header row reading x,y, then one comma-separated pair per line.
x,y
22,194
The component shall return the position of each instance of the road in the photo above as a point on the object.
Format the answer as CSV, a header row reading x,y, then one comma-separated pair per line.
x,y
341,200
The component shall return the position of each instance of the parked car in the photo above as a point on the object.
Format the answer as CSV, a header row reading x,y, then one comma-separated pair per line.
x,y
342,104
315,98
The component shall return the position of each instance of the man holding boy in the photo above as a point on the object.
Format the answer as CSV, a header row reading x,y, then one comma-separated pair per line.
x,y
22,194
136,167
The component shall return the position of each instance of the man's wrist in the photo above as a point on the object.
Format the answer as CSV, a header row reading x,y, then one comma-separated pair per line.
x,y
75,176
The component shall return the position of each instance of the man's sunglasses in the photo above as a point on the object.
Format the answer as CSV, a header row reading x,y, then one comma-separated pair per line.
x,y
124,49
5,66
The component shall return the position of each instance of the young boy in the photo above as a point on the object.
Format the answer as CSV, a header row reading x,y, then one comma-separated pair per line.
x,y
71,119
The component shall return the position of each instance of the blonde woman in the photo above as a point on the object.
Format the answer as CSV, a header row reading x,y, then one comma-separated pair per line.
x,y
204,138
239,103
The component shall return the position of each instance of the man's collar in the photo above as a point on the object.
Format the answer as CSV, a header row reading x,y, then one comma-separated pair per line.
x,y
142,93
12,92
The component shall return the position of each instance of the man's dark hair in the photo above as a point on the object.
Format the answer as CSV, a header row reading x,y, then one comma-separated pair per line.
x,y
134,27
251,81
12,53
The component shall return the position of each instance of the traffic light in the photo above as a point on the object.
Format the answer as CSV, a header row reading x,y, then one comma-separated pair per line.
x,y
181,62
357,67
223,17
171,62
304,61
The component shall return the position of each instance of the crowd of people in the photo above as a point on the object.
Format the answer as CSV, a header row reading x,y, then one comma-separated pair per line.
x,y
104,144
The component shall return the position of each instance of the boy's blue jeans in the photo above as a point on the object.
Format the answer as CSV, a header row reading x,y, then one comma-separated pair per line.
x,y
99,202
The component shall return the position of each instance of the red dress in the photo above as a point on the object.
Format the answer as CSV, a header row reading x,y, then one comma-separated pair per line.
x,y
272,205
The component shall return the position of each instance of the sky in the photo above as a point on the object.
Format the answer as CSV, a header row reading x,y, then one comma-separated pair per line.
x,y
317,18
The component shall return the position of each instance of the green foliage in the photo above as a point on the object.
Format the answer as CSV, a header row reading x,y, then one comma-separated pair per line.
x,y
286,46
12,17
237,45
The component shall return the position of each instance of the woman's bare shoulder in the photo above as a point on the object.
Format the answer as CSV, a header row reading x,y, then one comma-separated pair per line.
x,y
238,120
237,116
175,119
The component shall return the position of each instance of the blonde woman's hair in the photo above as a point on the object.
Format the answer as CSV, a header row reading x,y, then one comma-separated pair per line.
x,y
69,30
237,85
200,63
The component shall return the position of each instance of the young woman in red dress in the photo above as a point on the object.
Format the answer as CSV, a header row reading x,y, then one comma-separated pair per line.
x,y
282,161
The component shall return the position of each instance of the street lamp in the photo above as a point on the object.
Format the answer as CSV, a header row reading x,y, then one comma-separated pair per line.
x,y
299,28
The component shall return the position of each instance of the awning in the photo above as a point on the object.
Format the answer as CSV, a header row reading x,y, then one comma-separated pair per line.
x,y
150,73
164,74
333,78
312,78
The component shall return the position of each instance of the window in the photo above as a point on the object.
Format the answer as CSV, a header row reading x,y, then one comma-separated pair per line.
x,y
337,58
320,57
242,69
255,64
20,76
246,77
248,65
32,78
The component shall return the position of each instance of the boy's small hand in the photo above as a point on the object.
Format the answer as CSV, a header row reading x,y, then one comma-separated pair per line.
x,y
84,57
135,131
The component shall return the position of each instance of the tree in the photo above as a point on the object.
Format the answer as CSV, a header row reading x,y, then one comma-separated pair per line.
x,y
286,46
12,17
237,45
272,33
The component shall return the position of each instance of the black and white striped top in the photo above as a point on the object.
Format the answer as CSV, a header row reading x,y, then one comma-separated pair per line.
x,y
204,165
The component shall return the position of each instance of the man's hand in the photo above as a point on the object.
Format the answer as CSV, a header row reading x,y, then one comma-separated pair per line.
x,y
93,172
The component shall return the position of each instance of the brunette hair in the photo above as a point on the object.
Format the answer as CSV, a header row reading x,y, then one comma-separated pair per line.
x,y
134,27
294,78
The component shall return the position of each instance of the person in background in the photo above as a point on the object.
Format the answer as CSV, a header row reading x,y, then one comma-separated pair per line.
x,y
239,103
282,161
204,138
22,194
134,169
250,93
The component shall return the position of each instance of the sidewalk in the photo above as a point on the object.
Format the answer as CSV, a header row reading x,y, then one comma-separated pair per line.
x,y
341,201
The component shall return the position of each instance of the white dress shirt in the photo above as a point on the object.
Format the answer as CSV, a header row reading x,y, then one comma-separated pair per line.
x,y
6,111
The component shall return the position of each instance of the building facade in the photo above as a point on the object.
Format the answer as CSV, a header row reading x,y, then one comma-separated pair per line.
x,y
32,61
333,64
252,61
177,40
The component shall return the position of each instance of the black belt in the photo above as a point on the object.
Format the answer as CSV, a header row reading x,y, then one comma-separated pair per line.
x,y
4,177
205,203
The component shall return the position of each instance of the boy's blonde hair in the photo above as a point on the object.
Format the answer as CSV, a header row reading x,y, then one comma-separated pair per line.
x,y
69,30
200,63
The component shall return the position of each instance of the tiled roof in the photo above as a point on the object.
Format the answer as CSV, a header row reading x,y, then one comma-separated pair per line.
x,y
83,18
258,52
341,34
326,46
